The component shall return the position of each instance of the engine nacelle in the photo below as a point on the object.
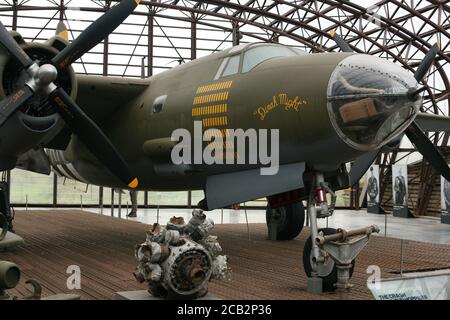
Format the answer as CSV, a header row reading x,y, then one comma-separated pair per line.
x,y
37,122
13,76
23,132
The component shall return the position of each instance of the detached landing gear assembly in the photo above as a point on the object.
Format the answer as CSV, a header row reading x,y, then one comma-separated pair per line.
x,y
10,278
8,240
329,255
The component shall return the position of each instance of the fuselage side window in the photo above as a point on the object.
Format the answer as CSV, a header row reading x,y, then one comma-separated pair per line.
x,y
158,104
232,66
256,55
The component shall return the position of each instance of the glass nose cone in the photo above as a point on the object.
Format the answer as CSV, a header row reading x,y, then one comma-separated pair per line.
x,y
369,100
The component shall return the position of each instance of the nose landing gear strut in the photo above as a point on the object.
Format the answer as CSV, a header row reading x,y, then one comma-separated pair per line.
x,y
329,254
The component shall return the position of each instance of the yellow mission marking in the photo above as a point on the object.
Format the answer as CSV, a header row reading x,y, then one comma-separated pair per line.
x,y
215,122
214,87
215,97
228,145
209,134
227,154
209,110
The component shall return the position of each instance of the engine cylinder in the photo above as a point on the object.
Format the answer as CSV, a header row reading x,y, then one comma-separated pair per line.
x,y
9,275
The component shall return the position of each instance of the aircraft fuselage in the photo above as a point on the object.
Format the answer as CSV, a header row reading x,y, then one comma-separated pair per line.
x,y
286,93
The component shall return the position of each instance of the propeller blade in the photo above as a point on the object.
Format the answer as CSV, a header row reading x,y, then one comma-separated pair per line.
x,y
428,150
12,103
92,136
95,33
430,122
426,63
13,48
361,165
61,30
340,42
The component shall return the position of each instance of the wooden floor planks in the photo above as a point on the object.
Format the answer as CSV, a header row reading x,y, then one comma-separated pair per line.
x,y
260,269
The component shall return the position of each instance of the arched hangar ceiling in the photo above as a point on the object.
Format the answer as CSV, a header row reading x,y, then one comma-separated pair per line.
x,y
163,32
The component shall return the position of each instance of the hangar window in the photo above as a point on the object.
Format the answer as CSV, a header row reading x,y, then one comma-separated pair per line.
x,y
159,103
232,66
256,55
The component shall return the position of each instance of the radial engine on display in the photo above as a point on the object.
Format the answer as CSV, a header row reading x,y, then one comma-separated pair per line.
x,y
178,260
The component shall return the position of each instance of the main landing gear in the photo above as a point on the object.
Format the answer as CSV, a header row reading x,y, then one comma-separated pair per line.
x,y
285,223
329,254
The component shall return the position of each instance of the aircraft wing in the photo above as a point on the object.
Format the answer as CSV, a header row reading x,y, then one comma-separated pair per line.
x,y
103,96
432,122
100,97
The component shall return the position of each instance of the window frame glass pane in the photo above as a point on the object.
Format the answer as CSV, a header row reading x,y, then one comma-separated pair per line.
x,y
231,60
31,188
264,57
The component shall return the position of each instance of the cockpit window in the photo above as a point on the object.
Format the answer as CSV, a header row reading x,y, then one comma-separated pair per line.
x,y
256,55
232,66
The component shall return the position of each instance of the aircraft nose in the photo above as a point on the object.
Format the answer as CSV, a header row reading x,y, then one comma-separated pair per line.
x,y
365,74
369,99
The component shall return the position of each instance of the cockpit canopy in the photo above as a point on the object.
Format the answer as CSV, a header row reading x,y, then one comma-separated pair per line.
x,y
245,58
368,100
255,55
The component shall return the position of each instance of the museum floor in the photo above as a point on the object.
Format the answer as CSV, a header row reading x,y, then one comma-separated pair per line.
x,y
421,229
102,247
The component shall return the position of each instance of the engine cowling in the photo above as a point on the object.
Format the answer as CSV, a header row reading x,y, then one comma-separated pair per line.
x,y
37,122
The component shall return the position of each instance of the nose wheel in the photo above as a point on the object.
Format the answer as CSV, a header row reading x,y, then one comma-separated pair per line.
x,y
326,270
329,255
285,223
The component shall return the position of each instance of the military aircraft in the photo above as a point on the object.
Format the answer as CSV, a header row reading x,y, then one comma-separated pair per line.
x,y
330,109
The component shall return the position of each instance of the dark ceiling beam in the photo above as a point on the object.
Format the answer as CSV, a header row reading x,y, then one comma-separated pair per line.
x,y
398,20
355,10
269,15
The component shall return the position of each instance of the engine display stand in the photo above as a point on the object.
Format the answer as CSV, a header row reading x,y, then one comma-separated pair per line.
x,y
144,295
10,241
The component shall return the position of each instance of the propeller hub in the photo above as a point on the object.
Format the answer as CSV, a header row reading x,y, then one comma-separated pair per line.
x,y
47,74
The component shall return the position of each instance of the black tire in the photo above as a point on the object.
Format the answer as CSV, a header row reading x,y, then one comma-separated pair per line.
x,y
290,220
329,272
